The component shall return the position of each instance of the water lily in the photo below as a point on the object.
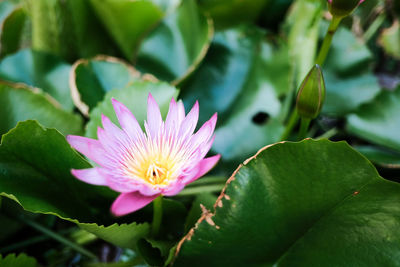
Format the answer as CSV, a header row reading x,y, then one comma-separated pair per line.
x,y
145,165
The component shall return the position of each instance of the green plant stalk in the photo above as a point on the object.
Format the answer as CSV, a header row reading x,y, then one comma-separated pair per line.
x,y
202,189
323,52
305,123
326,44
294,117
157,216
374,27
59,238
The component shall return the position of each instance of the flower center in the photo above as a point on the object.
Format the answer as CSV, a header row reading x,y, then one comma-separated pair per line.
x,y
156,174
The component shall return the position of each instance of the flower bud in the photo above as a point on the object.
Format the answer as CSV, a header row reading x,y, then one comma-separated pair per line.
x,y
343,8
311,95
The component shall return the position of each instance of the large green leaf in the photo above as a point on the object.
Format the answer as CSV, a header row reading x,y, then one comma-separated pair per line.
x,y
311,203
134,96
221,77
18,103
128,21
227,13
39,70
42,158
379,121
240,80
174,49
91,79
21,260
253,120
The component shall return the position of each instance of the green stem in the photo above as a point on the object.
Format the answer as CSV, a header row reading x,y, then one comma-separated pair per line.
x,y
59,238
305,123
201,189
294,118
374,27
157,216
207,180
326,44
329,134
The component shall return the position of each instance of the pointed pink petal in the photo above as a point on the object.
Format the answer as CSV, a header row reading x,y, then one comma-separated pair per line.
x,y
181,111
172,117
130,202
91,148
189,123
205,166
154,119
90,176
205,132
126,119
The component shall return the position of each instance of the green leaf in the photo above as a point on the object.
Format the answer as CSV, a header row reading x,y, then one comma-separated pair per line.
x,y
42,158
390,40
240,80
345,95
52,30
379,121
176,47
22,260
303,23
21,103
227,13
134,96
383,157
304,204
92,79
349,79
206,200
39,70
128,21
11,31
121,235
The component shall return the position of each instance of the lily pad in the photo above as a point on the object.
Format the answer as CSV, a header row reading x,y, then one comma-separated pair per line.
x,y
42,158
19,103
41,70
91,79
128,21
379,121
177,45
283,206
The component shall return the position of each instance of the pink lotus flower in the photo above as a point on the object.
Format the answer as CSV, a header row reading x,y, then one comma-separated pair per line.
x,y
142,166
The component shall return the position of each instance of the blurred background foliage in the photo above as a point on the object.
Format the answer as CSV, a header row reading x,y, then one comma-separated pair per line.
x,y
60,61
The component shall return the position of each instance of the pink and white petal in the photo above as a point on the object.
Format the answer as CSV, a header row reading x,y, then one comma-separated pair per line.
x,y
189,123
172,117
174,189
181,112
204,133
204,166
121,185
154,119
91,176
129,202
91,148
126,119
